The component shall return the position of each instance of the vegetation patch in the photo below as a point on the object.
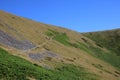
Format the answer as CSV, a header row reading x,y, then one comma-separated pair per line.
x,y
108,39
106,56
64,39
15,68
60,37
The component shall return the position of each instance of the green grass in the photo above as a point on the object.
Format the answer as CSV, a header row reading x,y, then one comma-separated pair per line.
x,y
15,68
60,37
108,39
108,57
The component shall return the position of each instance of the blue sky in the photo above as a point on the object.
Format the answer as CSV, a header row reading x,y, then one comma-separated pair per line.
x,y
78,15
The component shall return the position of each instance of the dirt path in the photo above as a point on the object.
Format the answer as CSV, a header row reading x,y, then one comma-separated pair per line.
x,y
41,45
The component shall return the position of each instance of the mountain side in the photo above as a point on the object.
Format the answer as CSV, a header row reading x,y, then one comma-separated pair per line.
x,y
30,71
49,47
109,39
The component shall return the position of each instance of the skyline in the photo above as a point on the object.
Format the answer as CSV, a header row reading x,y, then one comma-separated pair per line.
x,y
81,16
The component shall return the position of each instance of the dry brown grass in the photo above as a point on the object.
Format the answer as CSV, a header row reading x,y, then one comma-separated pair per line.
x,y
35,31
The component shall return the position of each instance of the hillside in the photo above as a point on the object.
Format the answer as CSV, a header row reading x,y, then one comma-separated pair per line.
x,y
109,39
27,70
39,51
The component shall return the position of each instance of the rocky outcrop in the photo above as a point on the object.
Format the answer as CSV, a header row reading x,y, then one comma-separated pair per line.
x,y
8,40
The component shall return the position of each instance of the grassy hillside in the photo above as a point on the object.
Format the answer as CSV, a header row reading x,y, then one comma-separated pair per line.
x,y
15,68
108,57
63,54
89,48
109,39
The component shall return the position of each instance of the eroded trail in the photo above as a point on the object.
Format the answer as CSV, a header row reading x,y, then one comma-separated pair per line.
x,y
49,39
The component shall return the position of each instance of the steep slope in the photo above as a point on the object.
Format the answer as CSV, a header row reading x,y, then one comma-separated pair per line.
x,y
50,46
109,39
27,70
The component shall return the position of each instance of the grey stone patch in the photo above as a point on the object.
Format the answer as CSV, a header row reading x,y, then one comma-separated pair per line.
x,y
13,42
49,53
36,56
43,55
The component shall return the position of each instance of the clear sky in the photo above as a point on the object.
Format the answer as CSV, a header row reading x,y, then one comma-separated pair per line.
x,y
79,15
